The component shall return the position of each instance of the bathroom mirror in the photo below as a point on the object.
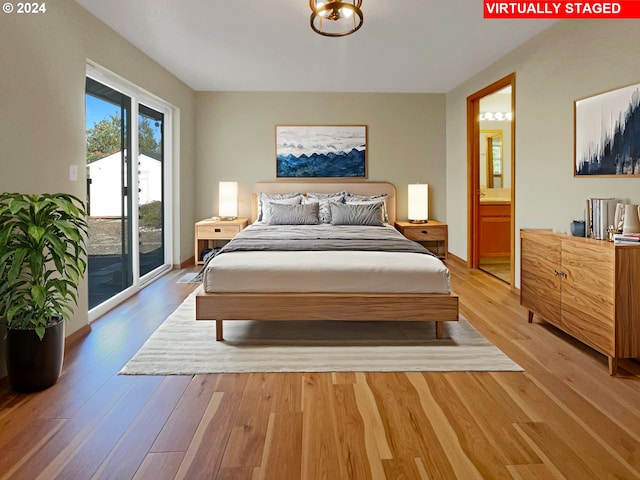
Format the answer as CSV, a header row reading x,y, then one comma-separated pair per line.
x,y
491,159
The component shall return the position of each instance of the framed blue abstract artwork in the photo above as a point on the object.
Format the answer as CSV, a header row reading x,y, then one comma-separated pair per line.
x,y
321,151
607,133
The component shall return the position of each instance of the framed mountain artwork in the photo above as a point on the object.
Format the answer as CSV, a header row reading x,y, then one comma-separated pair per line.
x,y
321,151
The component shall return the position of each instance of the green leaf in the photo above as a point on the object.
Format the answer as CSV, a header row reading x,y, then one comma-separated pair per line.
x,y
36,232
40,331
36,261
16,204
11,313
66,228
38,294
5,235
16,264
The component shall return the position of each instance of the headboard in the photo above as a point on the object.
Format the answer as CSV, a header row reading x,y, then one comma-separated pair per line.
x,y
361,188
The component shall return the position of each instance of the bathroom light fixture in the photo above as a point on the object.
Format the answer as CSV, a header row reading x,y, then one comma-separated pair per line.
x,y
335,18
418,211
498,116
228,200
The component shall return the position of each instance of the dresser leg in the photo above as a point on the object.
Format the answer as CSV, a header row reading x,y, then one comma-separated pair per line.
x,y
219,330
613,365
530,316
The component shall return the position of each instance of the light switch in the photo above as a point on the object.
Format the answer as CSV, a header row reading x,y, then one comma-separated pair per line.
x,y
73,173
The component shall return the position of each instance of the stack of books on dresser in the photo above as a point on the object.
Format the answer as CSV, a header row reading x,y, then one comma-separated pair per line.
x,y
627,238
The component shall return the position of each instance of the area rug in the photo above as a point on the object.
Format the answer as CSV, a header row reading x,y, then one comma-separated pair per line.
x,y
191,277
184,346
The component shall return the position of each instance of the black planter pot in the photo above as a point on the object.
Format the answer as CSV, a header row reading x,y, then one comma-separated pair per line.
x,y
34,364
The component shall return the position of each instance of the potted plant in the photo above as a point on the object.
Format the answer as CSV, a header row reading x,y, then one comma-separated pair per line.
x,y
42,259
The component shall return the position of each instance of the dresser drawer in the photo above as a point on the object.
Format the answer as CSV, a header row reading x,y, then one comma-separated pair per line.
x,y
425,233
217,232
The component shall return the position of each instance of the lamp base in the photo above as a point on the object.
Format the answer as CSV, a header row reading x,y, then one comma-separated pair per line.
x,y
227,219
418,221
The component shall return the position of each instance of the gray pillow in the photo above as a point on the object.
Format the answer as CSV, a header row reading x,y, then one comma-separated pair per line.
x,y
326,195
263,198
323,199
294,214
356,214
268,205
360,199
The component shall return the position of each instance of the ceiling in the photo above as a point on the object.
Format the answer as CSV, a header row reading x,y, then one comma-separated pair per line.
x,y
417,46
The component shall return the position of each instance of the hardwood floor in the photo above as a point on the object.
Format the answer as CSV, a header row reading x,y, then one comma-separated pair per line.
x,y
498,267
564,417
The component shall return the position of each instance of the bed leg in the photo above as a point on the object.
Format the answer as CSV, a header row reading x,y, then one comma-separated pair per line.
x,y
219,330
439,329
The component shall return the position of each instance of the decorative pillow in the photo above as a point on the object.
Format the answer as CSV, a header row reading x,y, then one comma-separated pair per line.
x,y
323,199
363,199
356,214
306,214
265,197
326,195
266,206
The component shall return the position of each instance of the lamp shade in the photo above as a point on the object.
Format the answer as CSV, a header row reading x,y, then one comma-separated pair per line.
x,y
418,210
228,199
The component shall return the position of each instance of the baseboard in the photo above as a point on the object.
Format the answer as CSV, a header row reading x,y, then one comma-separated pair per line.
x,y
76,336
456,259
189,262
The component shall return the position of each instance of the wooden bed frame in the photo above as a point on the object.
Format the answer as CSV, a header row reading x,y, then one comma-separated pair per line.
x,y
327,306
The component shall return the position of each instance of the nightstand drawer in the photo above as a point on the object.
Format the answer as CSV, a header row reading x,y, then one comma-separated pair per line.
x,y
213,232
425,233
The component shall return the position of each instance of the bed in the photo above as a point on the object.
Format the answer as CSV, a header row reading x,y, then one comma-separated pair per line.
x,y
254,278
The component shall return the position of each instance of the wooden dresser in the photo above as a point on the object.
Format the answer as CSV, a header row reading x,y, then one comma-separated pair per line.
x,y
588,288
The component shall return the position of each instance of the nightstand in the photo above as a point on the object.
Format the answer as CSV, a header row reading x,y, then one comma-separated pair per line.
x,y
208,232
433,233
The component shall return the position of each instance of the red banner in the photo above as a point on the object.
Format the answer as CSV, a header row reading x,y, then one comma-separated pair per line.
x,y
561,9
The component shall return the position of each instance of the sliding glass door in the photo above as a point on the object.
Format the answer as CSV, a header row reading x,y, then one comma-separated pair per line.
x,y
110,269
127,178
150,191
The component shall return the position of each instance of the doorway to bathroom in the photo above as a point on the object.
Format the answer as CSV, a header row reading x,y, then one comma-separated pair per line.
x,y
491,170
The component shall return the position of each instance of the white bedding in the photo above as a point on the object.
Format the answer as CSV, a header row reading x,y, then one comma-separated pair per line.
x,y
326,271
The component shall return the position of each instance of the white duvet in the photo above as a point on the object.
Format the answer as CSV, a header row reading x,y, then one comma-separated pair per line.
x,y
326,271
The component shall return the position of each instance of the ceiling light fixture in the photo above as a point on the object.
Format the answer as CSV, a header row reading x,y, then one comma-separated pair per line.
x,y
335,18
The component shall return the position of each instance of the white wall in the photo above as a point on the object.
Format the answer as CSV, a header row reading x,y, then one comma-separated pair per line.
x,y
571,60
235,138
106,184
